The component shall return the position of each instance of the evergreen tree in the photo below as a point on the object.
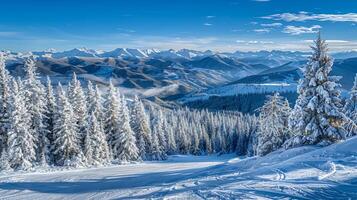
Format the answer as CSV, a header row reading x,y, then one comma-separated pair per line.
x,y
50,118
95,100
272,125
350,110
35,95
157,152
126,142
112,119
78,101
21,140
140,126
4,97
317,115
96,147
171,142
67,143
159,123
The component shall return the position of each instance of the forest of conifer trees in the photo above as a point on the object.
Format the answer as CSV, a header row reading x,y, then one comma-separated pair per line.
x,y
75,126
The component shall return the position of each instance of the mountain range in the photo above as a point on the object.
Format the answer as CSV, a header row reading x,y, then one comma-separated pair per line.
x,y
172,74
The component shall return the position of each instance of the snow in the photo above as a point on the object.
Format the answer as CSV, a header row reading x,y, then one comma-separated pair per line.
x,y
308,172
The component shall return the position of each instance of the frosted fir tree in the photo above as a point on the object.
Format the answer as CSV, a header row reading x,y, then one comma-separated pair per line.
x,y
141,127
95,100
21,140
112,119
127,149
157,152
95,146
272,128
195,150
4,97
171,141
350,110
158,123
317,115
78,101
50,118
183,143
67,148
35,95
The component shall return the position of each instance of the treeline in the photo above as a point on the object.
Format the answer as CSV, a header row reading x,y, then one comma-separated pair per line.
x,y
245,103
74,126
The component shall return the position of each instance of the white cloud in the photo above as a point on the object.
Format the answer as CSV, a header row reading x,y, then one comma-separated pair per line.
x,y
297,30
304,16
210,16
262,30
254,42
207,24
240,41
272,25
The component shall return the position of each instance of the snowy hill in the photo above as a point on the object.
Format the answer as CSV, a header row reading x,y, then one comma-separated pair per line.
x,y
309,172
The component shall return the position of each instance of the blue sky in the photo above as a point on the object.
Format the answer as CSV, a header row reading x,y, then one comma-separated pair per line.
x,y
222,25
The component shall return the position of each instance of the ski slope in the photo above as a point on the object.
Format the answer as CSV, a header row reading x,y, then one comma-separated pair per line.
x,y
308,172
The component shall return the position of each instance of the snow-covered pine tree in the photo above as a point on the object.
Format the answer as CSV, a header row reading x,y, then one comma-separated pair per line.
x,y
141,127
171,141
112,119
35,95
50,117
317,115
95,101
182,139
126,142
350,110
158,124
157,152
272,125
4,97
67,148
195,140
21,140
95,146
78,101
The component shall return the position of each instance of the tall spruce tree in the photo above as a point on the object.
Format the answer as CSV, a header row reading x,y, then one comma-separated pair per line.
x,y
35,95
77,99
21,140
67,148
127,149
50,117
141,127
96,147
112,119
317,115
4,97
272,129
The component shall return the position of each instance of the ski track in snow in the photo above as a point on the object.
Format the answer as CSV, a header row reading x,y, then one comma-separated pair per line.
x,y
301,173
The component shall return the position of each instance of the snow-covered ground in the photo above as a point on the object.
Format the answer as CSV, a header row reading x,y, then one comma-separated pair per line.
x,y
308,172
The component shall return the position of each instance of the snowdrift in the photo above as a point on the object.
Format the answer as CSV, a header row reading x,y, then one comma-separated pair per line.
x,y
309,172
